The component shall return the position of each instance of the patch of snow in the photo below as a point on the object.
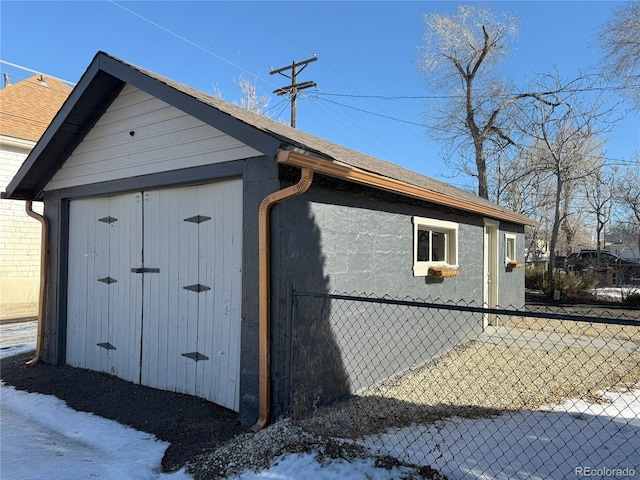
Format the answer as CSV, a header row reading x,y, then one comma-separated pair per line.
x,y
552,444
615,293
16,338
42,438
304,465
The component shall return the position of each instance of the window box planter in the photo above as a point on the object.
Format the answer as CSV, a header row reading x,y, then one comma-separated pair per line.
x,y
443,272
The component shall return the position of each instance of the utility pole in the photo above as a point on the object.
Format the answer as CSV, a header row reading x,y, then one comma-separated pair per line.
x,y
294,88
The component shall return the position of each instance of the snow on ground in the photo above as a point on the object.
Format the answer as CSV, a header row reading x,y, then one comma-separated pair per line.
x,y
615,293
555,444
18,335
42,438
304,466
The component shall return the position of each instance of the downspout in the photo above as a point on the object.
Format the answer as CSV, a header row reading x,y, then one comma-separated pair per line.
x,y
264,274
44,247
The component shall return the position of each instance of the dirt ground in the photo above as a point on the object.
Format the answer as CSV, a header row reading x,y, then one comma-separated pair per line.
x,y
191,425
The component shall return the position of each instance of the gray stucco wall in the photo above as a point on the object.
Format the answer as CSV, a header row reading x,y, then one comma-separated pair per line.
x,y
511,280
56,212
260,178
340,237
345,238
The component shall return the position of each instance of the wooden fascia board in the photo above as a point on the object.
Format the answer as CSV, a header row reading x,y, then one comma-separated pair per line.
x,y
375,180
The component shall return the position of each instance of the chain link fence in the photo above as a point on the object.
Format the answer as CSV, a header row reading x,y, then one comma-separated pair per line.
x,y
544,392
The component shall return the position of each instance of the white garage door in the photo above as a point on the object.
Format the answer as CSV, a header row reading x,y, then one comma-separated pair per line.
x,y
155,288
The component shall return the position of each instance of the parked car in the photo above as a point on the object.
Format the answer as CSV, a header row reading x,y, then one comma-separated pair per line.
x,y
627,270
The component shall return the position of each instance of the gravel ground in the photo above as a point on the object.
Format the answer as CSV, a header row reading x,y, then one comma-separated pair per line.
x,y
605,330
258,451
479,380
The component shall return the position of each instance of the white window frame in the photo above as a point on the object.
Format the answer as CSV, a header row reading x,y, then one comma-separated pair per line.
x,y
510,239
450,229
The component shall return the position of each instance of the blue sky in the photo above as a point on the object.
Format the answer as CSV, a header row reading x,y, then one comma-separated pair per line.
x,y
363,48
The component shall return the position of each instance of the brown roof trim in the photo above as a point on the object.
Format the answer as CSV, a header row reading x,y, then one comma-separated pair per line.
x,y
375,180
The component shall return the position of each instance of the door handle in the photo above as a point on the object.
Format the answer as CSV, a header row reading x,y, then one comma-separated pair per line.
x,y
145,270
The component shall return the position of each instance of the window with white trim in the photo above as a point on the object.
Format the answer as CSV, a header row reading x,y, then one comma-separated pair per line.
x,y
509,248
435,244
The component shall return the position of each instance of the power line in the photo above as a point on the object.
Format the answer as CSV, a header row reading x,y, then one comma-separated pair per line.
x,y
373,113
610,159
37,72
192,43
450,97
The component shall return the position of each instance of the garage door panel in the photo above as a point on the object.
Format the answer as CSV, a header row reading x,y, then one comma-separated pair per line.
x,y
88,296
176,326
232,292
220,379
106,284
166,305
100,284
125,300
193,288
207,263
102,303
78,275
154,293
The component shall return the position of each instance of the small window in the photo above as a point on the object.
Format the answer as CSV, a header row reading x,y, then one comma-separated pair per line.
x,y
510,259
435,244
510,247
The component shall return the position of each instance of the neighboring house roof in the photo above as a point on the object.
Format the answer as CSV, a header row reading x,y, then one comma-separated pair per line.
x,y
27,107
106,76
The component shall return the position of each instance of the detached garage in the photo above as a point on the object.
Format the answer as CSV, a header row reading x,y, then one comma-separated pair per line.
x,y
178,225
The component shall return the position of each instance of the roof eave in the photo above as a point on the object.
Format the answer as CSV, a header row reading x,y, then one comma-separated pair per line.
x,y
47,155
356,175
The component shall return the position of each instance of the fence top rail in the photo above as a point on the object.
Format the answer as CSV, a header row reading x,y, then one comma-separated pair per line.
x,y
469,308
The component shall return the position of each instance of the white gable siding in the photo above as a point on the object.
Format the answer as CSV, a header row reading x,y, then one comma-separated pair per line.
x,y
139,135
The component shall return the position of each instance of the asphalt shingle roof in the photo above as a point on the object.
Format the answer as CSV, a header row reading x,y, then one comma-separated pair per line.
x,y
27,107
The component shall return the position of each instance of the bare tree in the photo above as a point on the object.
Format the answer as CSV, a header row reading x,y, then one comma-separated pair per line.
x,y
628,187
620,41
459,52
600,193
566,148
250,100
573,217
459,56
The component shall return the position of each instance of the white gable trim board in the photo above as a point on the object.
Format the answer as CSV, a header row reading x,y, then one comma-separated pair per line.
x,y
155,288
140,135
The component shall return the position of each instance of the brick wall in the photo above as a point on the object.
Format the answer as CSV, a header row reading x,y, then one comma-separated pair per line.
x,y
19,245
